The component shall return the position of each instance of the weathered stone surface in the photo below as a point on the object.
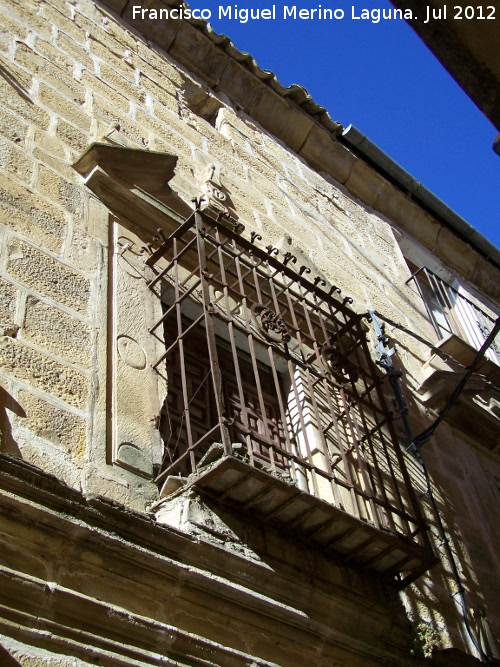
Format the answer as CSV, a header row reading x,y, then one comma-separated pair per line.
x,y
54,330
69,46
161,34
106,114
240,85
12,127
59,17
48,276
12,26
8,298
52,145
190,47
101,86
135,400
61,191
53,68
54,163
71,136
64,108
163,91
27,13
15,96
53,424
114,57
28,213
84,252
42,372
15,161
175,142
117,81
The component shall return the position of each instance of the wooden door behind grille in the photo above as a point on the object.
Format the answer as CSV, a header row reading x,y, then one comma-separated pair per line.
x,y
200,399
199,394
266,433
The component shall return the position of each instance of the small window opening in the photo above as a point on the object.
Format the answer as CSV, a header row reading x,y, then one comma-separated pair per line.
x,y
451,312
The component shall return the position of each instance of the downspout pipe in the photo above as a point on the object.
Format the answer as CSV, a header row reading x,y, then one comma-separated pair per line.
x,y
362,146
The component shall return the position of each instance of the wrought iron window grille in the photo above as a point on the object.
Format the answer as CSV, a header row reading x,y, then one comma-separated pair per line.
x,y
273,370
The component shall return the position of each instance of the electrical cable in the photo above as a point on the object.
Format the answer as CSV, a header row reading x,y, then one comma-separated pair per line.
x,y
444,355
384,361
422,438
445,541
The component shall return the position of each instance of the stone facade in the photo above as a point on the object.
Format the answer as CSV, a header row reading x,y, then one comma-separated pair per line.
x,y
109,127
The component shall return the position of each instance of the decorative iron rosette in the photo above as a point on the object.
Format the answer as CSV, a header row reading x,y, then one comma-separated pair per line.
x,y
270,323
338,364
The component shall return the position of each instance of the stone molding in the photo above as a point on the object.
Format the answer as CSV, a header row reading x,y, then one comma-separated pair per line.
x,y
148,574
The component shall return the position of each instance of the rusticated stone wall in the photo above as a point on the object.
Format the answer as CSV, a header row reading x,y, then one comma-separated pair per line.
x,y
73,73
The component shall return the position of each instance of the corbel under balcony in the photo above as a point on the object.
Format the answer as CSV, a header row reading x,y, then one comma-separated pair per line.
x,y
477,410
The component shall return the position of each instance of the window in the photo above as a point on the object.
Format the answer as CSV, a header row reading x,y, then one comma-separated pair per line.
x,y
276,368
452,312
244,409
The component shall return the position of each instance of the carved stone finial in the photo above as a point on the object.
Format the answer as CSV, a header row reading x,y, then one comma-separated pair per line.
x,y
216,201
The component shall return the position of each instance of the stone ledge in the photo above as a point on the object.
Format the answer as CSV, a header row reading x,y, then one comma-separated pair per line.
x,y
129,551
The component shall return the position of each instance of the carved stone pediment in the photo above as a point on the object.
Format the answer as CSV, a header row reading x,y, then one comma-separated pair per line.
x,y
133,183
149,170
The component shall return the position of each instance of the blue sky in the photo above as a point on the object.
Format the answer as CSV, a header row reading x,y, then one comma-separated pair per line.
x,y
381,78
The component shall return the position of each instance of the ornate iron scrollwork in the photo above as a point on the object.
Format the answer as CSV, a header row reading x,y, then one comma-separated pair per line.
x,y
270,323
338,364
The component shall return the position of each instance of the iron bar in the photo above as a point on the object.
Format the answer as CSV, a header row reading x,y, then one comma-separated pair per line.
x,y
314,417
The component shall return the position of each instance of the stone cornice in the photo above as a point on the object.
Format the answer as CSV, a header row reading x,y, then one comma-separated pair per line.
x,y
99,540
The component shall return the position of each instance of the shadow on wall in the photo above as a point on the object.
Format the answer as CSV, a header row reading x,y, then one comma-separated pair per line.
x,y
12,81
7,443
6,660
433,603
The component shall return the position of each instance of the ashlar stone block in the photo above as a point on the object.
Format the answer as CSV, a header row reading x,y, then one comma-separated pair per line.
x,y
58,77
51,145
158,66
47,276
70,136
12,127
61,106
61,191
31,215
57,332
8,298
27,13
54,424
44,373
16,98
69,46
16,161
109,92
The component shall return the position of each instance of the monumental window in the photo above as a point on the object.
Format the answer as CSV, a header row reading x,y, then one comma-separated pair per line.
x,y
272,369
